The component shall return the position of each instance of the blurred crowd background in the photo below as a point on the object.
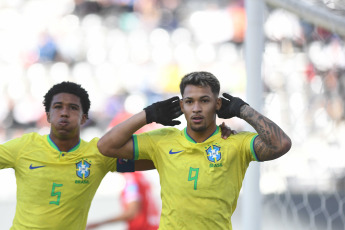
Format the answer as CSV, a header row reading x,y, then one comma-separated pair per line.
x,y
125,53
130,53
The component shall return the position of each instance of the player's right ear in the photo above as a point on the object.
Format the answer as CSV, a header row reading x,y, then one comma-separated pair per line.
x,y
48,117
181,105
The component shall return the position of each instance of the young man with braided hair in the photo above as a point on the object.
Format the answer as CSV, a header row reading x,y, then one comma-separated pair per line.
x,y
201,174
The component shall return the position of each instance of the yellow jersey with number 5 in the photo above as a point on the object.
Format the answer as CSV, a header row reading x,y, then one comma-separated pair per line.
x,y
200,182
54,188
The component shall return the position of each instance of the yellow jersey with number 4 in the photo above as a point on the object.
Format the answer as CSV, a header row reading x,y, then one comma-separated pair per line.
x,y
200,182
54,188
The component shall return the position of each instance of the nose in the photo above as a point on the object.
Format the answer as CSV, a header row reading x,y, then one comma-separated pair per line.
x,y
196,107
65,112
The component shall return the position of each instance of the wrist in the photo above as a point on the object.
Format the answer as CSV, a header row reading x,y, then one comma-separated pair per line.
x,y
148,114
242,110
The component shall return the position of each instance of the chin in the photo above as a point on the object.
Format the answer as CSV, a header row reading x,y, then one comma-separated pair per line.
x,y
198,128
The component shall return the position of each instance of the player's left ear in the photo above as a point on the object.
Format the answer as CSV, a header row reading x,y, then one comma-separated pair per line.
x,y
83,119
218,103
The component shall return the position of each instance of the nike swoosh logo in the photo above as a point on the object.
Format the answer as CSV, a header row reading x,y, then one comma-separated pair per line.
x,y
172,152
36,167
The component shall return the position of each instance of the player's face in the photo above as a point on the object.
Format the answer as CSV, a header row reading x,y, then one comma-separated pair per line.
x,y
199,106
66,116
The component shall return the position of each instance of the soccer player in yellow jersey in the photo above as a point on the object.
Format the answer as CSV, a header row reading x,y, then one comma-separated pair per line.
x,y
200,173
58,174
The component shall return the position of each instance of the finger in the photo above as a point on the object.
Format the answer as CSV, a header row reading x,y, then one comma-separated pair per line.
x,y
175,104
222,129
227,127
173,123
176,115
225,101
228,96
228,133
174,99
175,109
170,100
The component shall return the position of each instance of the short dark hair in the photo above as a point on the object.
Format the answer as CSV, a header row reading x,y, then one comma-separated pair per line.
x,y
200,79
68,87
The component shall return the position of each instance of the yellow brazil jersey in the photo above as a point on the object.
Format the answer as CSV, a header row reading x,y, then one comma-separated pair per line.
x,y
200,182
54,189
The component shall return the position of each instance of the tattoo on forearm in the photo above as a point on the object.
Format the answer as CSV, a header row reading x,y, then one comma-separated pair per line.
x,y
269,143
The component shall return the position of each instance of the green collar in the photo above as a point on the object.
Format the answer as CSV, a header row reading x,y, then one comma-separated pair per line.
x,y
190,139
52,144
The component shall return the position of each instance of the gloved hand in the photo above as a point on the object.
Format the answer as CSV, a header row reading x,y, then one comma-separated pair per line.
x,y
230,106
164,112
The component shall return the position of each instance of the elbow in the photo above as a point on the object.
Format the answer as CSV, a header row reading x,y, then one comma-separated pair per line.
x,y
103,149
285,146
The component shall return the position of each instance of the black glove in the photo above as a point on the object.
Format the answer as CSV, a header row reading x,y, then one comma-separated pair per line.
x,y
230,106
164,112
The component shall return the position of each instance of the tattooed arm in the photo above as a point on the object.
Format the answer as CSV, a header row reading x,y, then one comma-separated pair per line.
x,y
272,141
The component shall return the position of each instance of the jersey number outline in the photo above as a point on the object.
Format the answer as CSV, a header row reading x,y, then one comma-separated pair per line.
x,y
54,193
194,177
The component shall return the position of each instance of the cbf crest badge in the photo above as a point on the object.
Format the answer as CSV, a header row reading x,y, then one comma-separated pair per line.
x,y
213,153
83,169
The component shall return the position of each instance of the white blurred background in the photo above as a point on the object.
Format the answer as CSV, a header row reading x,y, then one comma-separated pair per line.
x,y
130,53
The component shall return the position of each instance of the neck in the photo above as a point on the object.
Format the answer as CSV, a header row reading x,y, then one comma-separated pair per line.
x,y
64,145
202,135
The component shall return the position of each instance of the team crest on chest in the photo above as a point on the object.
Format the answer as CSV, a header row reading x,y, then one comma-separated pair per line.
x,y
83,171
213,153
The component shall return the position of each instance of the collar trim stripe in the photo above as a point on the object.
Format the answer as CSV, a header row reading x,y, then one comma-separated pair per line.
x,y
190,139
52,144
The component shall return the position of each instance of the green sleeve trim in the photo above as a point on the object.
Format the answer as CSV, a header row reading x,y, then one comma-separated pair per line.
x,y
135,147
252,150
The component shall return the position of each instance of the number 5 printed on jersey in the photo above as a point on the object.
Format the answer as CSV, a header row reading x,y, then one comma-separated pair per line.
x,y
54,193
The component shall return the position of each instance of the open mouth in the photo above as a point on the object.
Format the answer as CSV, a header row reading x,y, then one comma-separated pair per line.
x,y
197,119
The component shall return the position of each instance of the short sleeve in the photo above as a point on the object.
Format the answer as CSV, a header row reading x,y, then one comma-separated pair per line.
x,y
246,145
9,153
144,144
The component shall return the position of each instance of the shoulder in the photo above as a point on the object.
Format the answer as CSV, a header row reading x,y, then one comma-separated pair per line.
x,y
244,134
241,137
28,140
91,143
162,132
30,137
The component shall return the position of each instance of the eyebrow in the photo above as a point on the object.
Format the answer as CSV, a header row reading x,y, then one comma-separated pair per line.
x,y
202,97
60,103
